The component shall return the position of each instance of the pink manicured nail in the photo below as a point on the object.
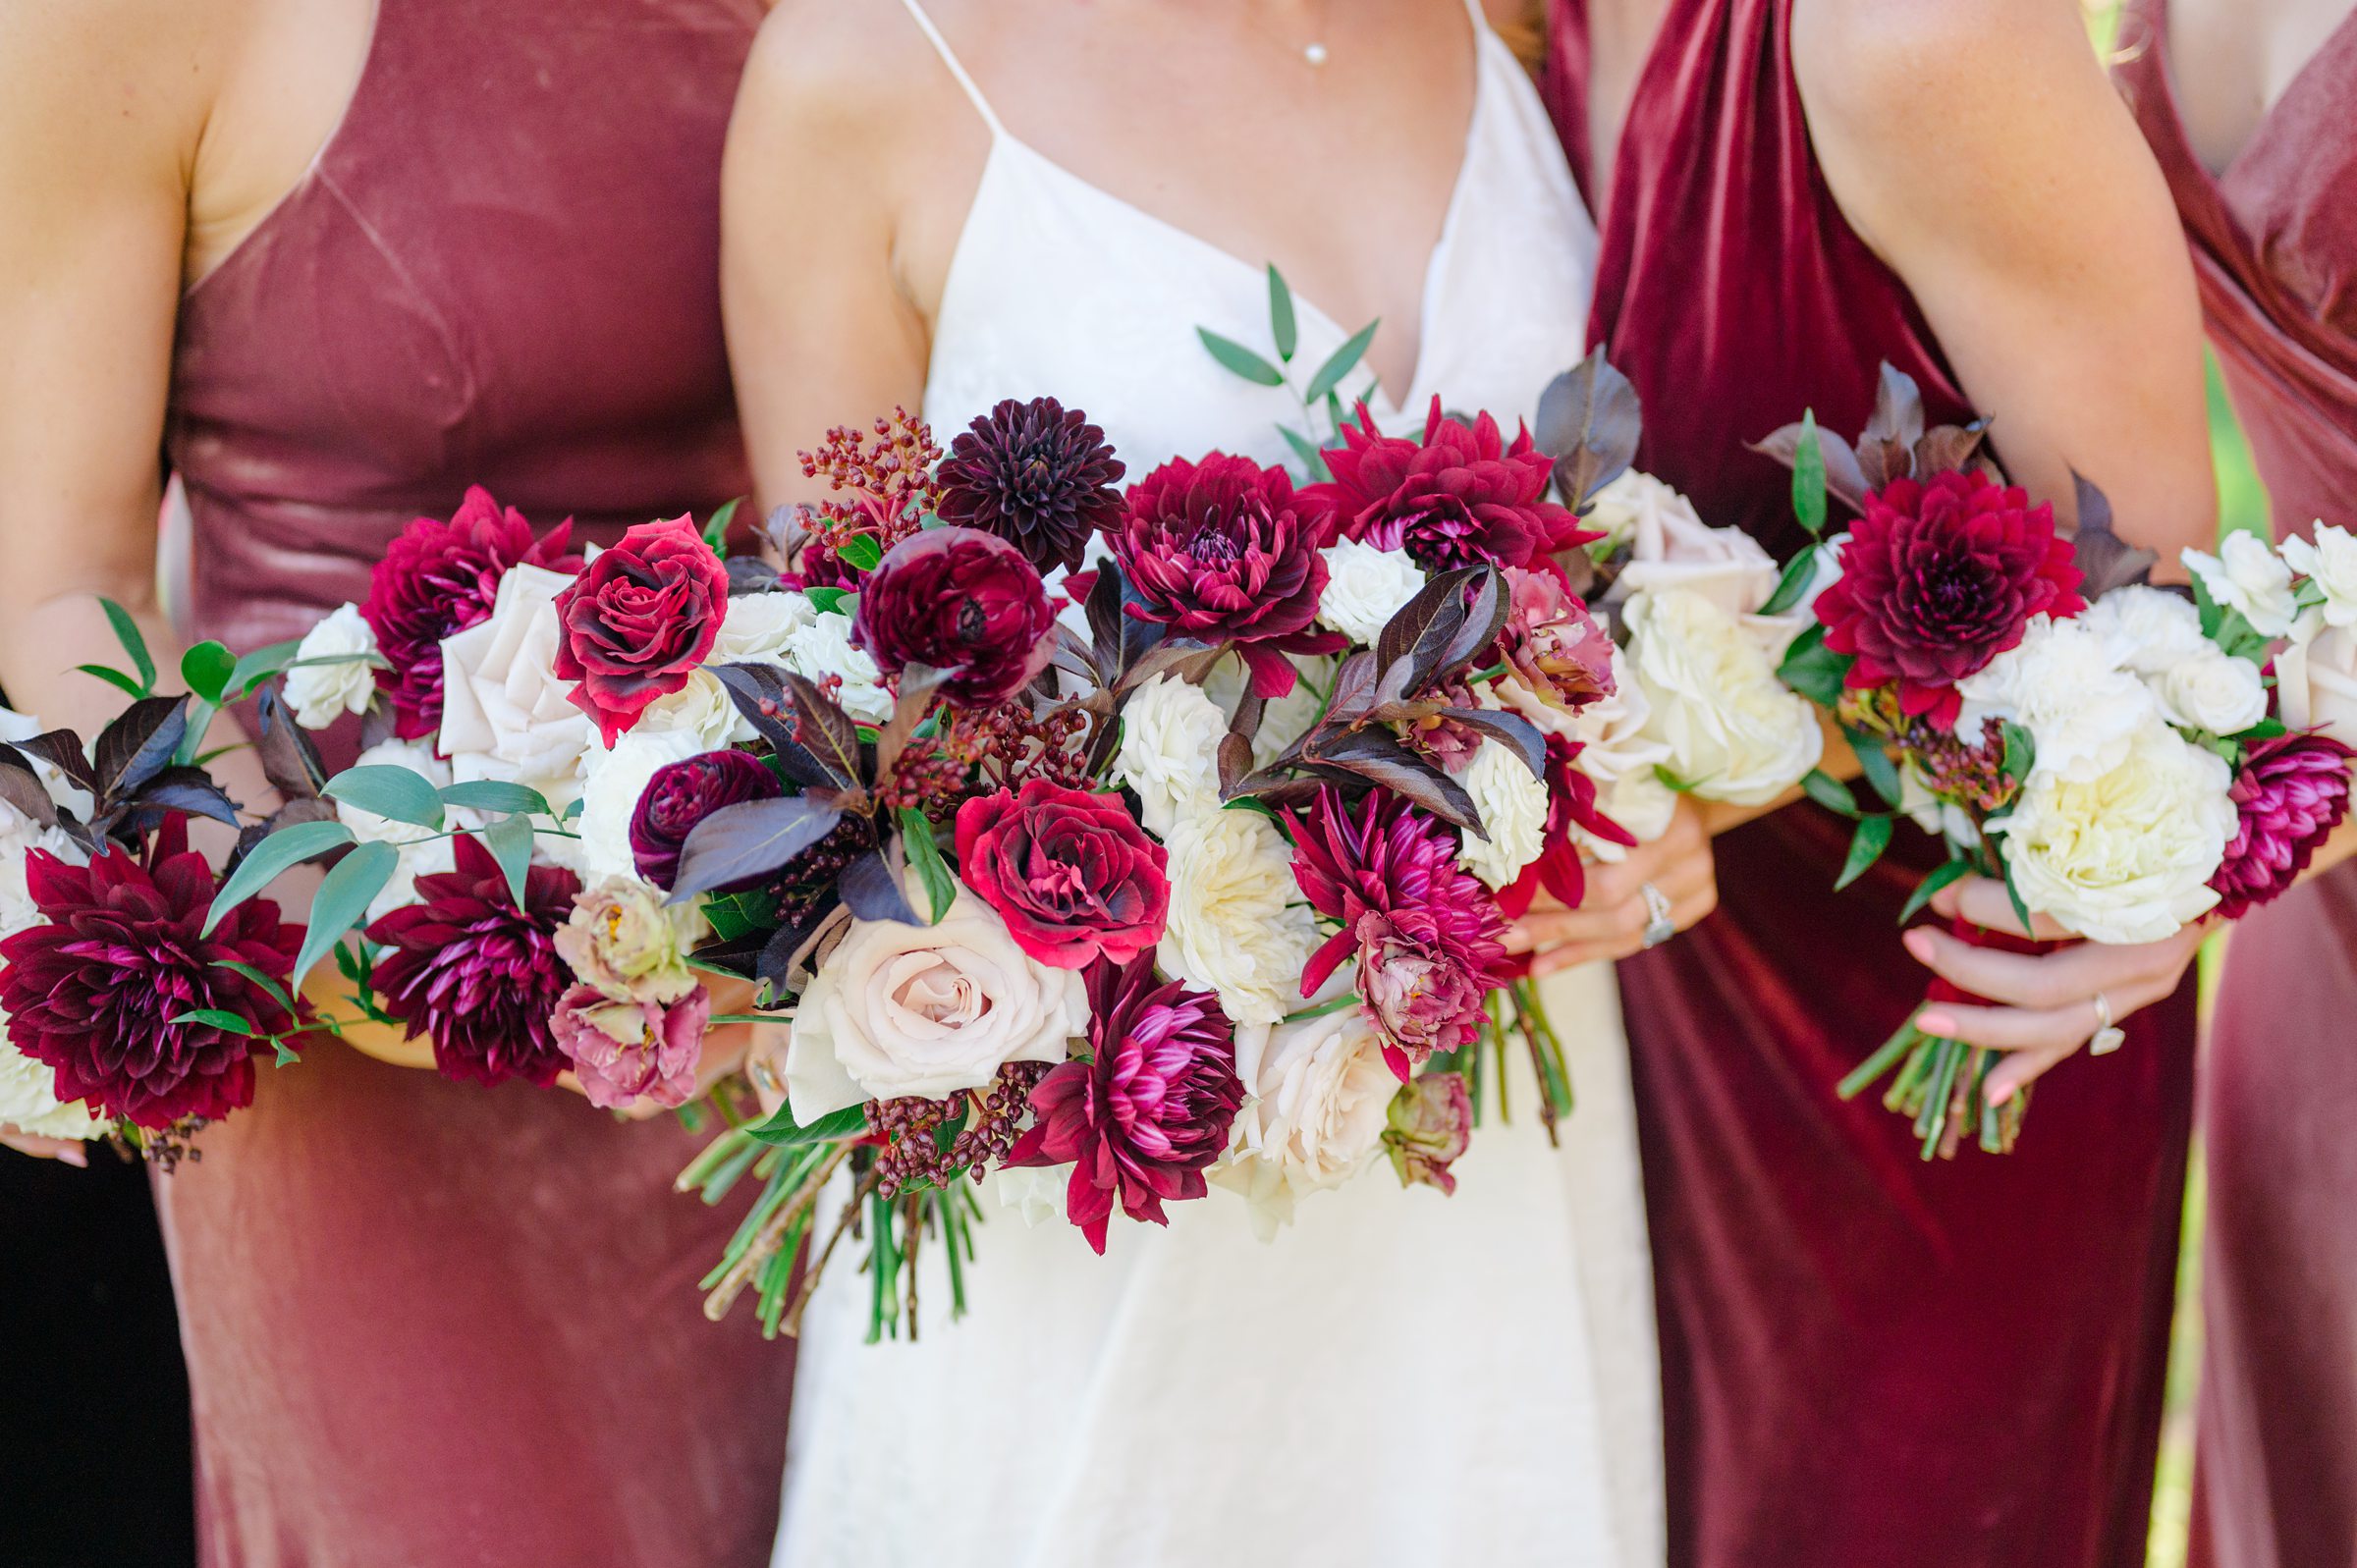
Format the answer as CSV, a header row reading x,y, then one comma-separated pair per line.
x,y
2001,1094
1936,1023
1919,943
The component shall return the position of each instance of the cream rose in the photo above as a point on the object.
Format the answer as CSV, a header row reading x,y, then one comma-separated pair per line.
x,y
701,710
1365,586
1633,503
1237,925
2247,575
332,675
2064,683
1513,806
1735,731
28,1100
1615,751
2213,691
1169,751
2316,679
2329,561
610,795
505,713
758,627
823,648
1671,547
1320,1097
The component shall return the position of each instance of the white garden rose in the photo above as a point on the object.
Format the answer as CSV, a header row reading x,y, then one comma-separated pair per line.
x,y
1513,805
332,675
2247,575
758,627
2330,562
1035,1192
2064,683
900,1009
610,795
1635,503
1365,586
28,1102
2316,679
1318,1097
1237,927
505,712
701,710
2213,691
1169,751
2127,856
1735,733
2152,631
824,648
1615,750
1671,547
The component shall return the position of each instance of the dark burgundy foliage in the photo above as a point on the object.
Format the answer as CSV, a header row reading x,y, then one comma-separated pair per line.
x,y
681,794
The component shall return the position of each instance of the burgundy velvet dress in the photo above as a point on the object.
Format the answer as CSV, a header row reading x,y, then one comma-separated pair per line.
x,y
429,1325
1867,1358
2275,245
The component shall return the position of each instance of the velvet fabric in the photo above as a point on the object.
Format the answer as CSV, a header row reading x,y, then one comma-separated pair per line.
x,y
1867,1358
426,1322
2274,247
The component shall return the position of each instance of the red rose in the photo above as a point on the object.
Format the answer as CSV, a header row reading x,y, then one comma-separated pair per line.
x,y
1459,498
638,620
962,602
1071,873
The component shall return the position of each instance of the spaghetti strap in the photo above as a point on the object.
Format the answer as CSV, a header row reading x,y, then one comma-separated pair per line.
x,y
949,57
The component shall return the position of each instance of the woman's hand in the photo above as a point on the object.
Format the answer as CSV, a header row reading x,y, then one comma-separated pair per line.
x,y
2050,1005
66,1150
1612,920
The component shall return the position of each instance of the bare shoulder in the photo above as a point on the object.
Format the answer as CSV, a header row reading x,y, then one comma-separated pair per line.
x,y
843,74
1878,65
83,80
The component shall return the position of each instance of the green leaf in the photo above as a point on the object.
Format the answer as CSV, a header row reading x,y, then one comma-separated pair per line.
x,y
389,791
206,667
1311,456
1866,847
1808,476
1344,360
827,600
274,855
2021,752
924,856
1830,793
1792,584
1952,871
115,678
343,901
1240,360
780,1130
1282,326
2212,614
509,840
126,632
1875,763
741,914
285,1055
2021,906
2264,730
716,527
1671,781
1813,669
253,669
270,987
229,1023
496,794
191,735
861,553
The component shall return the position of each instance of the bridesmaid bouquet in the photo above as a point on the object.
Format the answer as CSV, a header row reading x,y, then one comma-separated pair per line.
x,y
2106,748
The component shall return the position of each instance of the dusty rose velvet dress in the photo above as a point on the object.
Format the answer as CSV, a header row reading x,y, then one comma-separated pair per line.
x,y
1867,1358
429,1325
2274,245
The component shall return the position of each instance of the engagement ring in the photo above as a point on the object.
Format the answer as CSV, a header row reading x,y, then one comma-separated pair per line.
x,y
1659,927
2108,1037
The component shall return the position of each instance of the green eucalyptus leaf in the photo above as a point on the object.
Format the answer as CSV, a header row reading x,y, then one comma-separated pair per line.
x,y
1240,360
1792,584
1866,847
115,678
253,669
343,901
1830,793
392,793
1808,476
135,643
1342,361
289,846
229,1023
1944,875
497,794
781,1130
509,840
1282,326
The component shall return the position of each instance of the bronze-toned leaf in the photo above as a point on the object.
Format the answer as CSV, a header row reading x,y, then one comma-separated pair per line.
x,y
1354,690
751,838
138,745
62,750
1949,449
2107,560
1236,761
1510,730
22,787
1183,657
1374,755
1844,478
920,685
749,575
1589,422
826,734
758,692
188,789
289,759
781,960
1275,788
1898,409
871,890
1422,629
1484,619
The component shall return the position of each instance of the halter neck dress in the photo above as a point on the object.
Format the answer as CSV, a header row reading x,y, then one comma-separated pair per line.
x,y
429,1323
1400,1377
1866,1358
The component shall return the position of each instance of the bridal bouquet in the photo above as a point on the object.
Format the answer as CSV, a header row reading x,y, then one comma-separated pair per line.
x,y
2103,747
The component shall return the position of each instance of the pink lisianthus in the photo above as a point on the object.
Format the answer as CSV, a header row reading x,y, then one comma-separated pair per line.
x,y
1071,873
1552,643
629,1051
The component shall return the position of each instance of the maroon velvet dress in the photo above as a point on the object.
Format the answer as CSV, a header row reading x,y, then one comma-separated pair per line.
x,y
2275,245
1867,1358
431,1325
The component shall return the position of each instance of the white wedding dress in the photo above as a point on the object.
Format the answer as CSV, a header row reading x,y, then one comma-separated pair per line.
x,y
1401,1377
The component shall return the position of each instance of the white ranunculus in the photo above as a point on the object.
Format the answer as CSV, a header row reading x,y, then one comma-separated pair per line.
x,y
931,1010
758,627
1514,807
1735,733
1671,547
2215,691
2330,562
824,648
505,712
1169,751
1318,1097
28,1102
702,708
320,691
1236,927
1365,586
2247,575
2316,679
2126,856
610,795
1035,1192
2152,631
2064,683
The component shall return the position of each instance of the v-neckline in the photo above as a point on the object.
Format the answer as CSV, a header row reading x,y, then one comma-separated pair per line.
x,y
2342,36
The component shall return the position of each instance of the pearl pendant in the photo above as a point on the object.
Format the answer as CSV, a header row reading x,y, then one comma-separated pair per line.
x,y
1315,54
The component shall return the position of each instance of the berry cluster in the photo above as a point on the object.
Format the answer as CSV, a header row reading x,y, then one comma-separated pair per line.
x,y
887,481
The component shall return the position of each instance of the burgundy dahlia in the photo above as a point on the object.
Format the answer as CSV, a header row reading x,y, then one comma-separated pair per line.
x,y
1460,497
2291,792
1572,804
1038,475
93,991
962,602
1939,578
681,794
638,620
1225,551
439,577
1071,873
1552,643
1424,929
474,974
1142,1119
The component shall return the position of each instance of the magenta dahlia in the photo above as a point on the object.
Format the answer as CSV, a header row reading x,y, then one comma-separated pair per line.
x,y
477,975
1460,497
1939,578
1570,805
2291,792
1038,475
1424,929
1142,1118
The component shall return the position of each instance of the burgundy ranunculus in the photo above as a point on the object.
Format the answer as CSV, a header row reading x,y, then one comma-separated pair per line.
x,y
1225,551
1038,475
1939,578
1151,1109
624,1051
1075,878
1460,497
1426,932
93,991
962,602
638,620
2291,792
1552,643
681,794
474,974
439,577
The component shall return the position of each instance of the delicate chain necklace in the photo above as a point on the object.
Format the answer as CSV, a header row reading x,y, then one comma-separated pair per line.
x,y
1313,53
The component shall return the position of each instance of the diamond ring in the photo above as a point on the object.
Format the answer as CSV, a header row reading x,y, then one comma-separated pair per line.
x,y
2109,1036
1659,927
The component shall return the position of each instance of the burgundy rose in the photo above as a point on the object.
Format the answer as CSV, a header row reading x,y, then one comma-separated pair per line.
x,y
439,577
681,794
1225,552
1075,878
1142,1119
2291,793
1038,475
474,974
1552,643
638,620
1460,497
629,1051
93,991
962,602
1939,578
1431,1127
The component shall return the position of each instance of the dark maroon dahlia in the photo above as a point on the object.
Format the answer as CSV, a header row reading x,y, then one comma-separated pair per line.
x,y
1225,551
2291,793
93,991
681,794
1460,497
1939,578
1149,1111
440,577
962,602
1038,475
638,620
474,974
1424,929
